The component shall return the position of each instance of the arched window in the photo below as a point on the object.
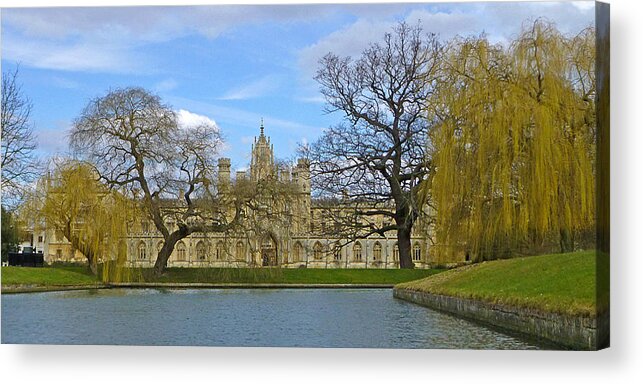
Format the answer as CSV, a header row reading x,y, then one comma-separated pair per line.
x,y
337,251
297,251
180,251
142,251
396,253
219,254
317,251
200,250
417,252
357,251
377,251
241,251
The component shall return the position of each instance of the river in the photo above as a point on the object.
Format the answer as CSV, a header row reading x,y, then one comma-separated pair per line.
x,y
364,318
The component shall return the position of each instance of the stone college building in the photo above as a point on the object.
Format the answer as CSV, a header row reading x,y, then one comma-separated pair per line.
x,y
300,240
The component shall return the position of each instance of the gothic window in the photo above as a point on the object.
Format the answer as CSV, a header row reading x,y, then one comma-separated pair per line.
x,y
200,251
357,251
377,251
337,252
417,252
317,251
396,253
180,251
241,251
297,252
142,251
219,254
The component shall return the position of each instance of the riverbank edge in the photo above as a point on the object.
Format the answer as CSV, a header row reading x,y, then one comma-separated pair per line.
x,y
10,289
572,332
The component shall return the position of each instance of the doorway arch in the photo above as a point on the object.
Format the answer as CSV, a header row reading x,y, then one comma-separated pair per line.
x,y
268,251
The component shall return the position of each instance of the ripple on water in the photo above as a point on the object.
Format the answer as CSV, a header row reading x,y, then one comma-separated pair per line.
x,y
369,318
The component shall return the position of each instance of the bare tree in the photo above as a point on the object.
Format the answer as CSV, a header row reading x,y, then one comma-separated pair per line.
x,y
136,145
375,160
19,162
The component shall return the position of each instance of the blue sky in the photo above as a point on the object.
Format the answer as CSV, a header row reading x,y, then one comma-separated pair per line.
x,y
231,64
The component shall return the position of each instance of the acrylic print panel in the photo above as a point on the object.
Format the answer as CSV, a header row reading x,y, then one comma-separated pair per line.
x,y
317,175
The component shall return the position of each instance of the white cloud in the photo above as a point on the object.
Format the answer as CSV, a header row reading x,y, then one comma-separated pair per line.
x,y
108,39
187,120
244,118
62,82
500,21
318,99
253,89
71,56
166,85
53,140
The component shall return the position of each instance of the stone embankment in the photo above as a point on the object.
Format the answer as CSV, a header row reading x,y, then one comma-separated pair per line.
x,y
571,332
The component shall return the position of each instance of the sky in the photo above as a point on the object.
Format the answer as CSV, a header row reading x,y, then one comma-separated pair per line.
x,y
232,65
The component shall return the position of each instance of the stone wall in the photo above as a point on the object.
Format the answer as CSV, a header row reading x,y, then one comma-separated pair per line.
x,y
574,332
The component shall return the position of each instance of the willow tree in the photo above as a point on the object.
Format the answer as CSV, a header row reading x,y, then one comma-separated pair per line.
x,y
514,147
375,160
138,147
70,202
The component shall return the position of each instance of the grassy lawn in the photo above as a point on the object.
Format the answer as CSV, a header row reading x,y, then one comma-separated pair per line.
x,y
562,283
78,275
288,276
67,275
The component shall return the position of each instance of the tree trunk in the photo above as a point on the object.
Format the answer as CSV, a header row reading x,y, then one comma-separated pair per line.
x,y
566,241
404,248
93,267
76,243
168,246
164,255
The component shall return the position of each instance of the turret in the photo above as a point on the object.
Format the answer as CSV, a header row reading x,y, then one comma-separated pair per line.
x,y
240,175
302,171
284,173
224,173
262,164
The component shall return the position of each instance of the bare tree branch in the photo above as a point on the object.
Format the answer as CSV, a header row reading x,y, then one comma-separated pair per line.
x,y
20,166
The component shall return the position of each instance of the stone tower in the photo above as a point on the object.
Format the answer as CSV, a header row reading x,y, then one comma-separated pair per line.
x,y
301,179
224,174
262,164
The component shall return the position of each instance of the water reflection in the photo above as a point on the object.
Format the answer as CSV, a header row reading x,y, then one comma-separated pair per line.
x,y
240,317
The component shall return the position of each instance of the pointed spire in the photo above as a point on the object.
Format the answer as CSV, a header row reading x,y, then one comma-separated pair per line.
x,y
261,126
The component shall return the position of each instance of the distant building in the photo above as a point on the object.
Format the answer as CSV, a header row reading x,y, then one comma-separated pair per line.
x,y
295,235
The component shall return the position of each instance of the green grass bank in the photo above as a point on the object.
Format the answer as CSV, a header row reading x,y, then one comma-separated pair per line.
x,y
48,276
556,283
61,276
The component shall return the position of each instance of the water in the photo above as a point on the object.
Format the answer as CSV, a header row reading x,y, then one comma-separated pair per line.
x,y
368,318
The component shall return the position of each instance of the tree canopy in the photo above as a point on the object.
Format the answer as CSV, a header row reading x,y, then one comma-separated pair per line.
x,y
138,147
71,203
375,159
513,147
